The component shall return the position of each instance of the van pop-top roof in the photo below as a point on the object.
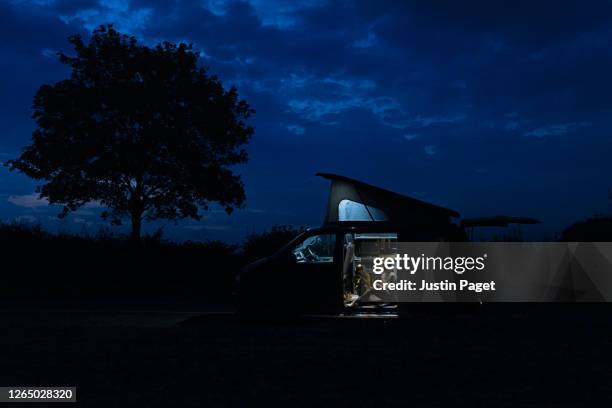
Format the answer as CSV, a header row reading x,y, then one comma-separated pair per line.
x,y
352,200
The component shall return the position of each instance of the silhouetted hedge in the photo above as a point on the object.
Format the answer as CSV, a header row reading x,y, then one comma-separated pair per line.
x,y
594,229
259,245
39,265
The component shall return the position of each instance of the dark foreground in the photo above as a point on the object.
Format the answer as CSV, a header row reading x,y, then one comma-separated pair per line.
x,y
502,355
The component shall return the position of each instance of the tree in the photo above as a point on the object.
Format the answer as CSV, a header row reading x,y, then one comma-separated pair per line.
x,y
145,131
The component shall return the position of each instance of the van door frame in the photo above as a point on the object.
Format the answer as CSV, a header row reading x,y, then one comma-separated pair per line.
x,y
335,303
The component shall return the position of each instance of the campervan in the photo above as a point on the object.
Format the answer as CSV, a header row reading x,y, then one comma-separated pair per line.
x,y
327,269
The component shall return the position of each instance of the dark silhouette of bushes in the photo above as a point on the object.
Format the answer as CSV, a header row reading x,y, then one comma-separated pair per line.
x,y
595,229
259,245
105,266
37,264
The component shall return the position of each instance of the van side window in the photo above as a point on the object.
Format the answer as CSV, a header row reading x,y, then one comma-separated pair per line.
x,y
349,210
316,249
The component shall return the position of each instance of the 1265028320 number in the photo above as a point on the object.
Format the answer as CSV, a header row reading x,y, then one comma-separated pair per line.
x,y
29,394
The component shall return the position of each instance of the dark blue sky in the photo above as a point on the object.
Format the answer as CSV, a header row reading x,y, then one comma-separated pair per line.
x,y
482,108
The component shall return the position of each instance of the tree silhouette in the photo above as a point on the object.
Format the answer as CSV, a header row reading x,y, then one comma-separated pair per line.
x,y
145,131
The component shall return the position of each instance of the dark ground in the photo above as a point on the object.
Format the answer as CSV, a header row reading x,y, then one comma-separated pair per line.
x,y
501,355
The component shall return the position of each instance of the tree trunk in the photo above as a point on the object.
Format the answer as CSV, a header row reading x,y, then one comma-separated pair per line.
x,y
136,226
136,209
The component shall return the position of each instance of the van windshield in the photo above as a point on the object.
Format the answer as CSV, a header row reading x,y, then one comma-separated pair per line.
x,y
316,249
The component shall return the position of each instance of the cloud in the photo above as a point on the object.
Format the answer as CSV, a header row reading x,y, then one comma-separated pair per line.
x,y
94,204
556,129
49,53
296,129
81,220
404,120
369,41
93,14
430,150
34,201
280,13
255,211
27,219
387,109
29,200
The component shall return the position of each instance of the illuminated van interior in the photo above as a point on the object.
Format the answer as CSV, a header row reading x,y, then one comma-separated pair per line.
x,y
359,250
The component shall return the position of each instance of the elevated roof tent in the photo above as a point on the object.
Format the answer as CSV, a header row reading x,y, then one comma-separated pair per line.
x,y
355,201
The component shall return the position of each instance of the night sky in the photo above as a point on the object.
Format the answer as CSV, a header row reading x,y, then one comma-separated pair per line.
x,y
485,109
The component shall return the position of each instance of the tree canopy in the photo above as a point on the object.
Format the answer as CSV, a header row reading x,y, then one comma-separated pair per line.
x,y
144,131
